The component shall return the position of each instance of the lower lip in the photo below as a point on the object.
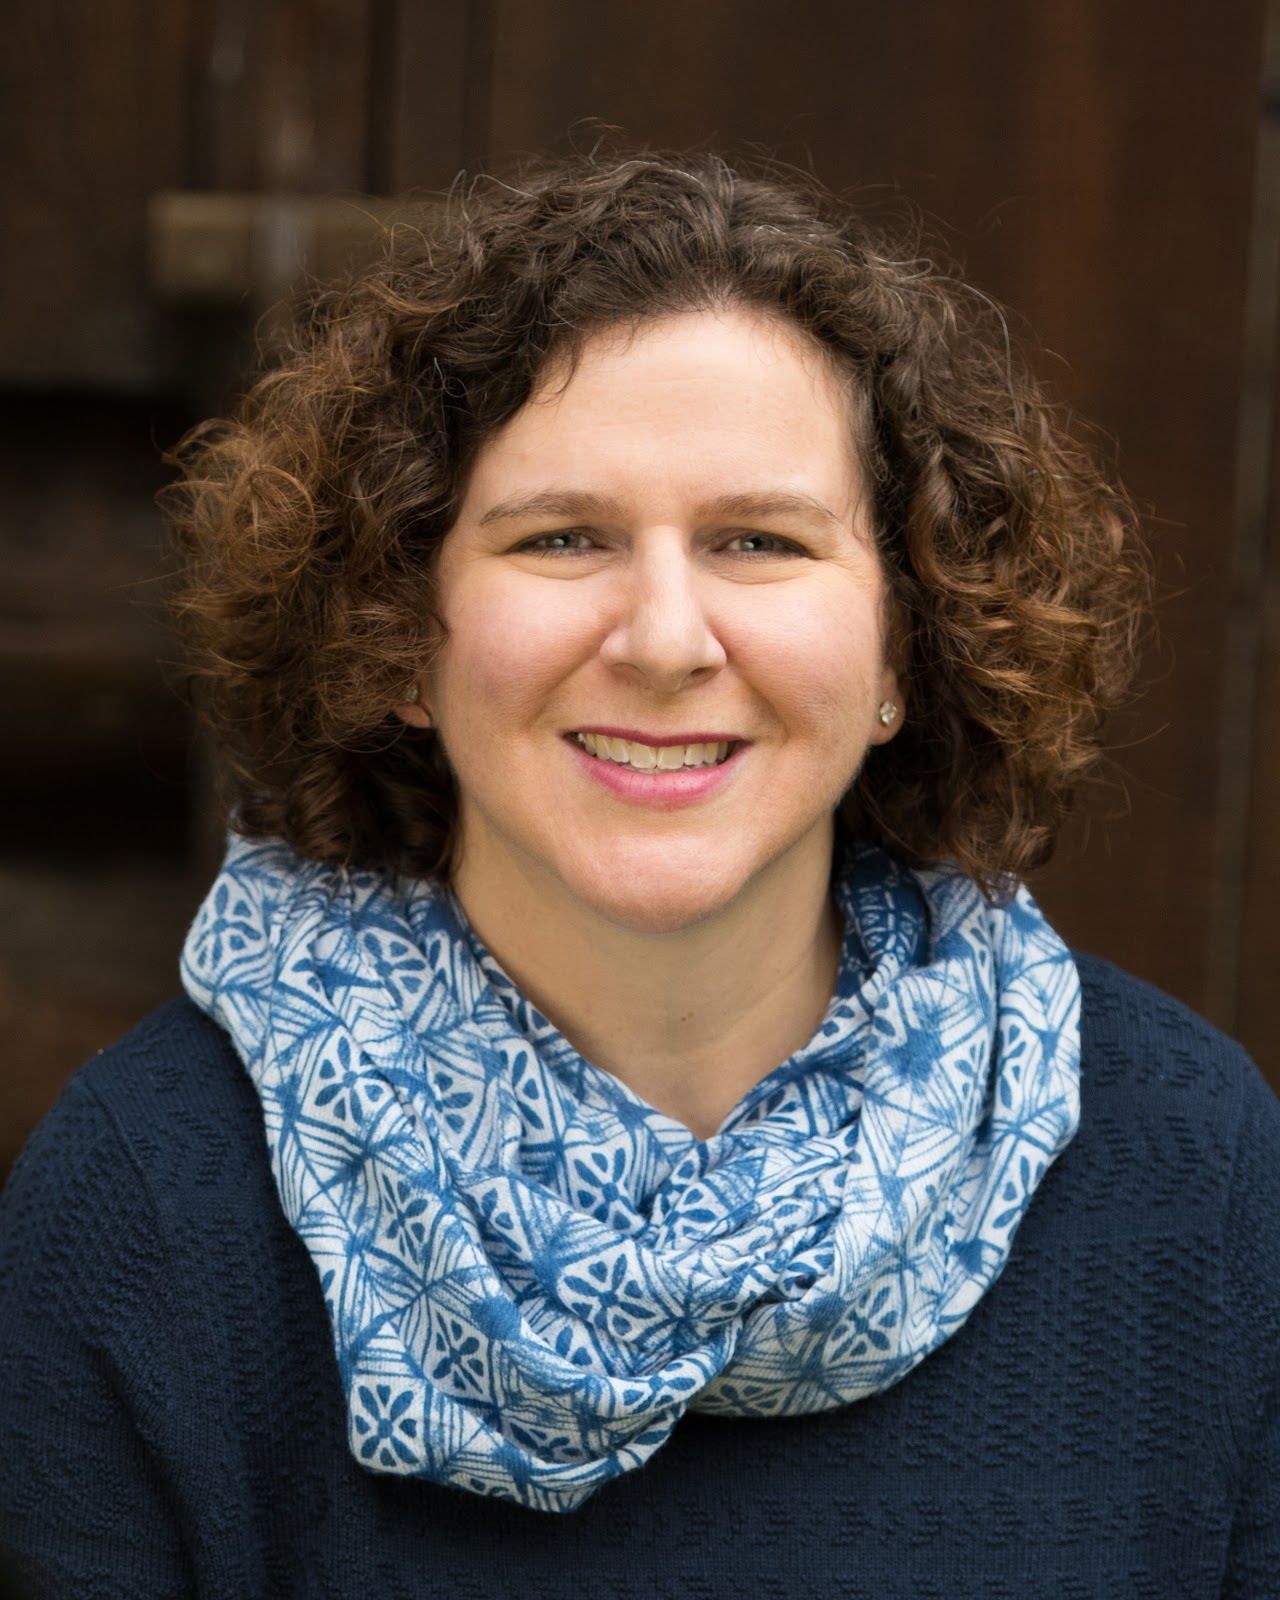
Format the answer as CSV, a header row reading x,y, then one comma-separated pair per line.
x,y
660,789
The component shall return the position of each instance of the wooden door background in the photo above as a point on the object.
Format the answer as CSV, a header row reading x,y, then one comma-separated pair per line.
x,y
1112,173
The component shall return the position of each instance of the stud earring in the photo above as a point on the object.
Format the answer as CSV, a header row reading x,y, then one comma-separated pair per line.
x,y
412,692
888,711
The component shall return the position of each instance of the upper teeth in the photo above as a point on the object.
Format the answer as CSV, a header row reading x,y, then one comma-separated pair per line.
x,y
647,757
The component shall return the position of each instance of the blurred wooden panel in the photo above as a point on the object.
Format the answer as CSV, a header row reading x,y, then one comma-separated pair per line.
x,y
1258,865
93,736
434,86
1092,164
282,95
91,946
101,106
217,249
91,120
1258,1010
95,892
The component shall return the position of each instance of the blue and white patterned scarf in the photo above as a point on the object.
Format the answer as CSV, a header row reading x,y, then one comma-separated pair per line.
x,y
531,1273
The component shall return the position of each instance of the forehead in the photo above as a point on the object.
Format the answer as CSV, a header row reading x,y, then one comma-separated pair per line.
x,y
697,392
749,333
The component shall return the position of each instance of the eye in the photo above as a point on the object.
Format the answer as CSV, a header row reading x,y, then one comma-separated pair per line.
x,y
536,546
787,547
539,545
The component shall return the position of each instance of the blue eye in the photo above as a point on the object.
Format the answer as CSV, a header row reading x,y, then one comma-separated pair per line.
x,y
531,545
538,545
786,546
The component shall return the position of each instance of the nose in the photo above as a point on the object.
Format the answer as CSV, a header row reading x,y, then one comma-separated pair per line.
x,y
660,626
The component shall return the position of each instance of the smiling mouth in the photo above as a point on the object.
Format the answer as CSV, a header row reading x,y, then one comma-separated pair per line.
x,y
654,759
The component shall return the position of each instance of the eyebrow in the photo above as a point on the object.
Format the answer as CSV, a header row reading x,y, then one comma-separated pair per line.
x,y
582,503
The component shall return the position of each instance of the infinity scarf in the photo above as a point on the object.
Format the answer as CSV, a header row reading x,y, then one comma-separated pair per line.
x,y
530,1272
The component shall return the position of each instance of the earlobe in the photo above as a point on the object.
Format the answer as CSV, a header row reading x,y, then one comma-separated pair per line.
x,y
409,710
414,715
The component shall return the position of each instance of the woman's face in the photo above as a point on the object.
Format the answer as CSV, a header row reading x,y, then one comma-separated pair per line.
x,y
678,542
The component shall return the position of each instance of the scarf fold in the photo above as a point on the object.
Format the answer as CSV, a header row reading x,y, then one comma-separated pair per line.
x,y
531,1273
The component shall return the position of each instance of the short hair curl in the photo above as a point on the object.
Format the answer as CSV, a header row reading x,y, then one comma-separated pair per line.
x,y
306,526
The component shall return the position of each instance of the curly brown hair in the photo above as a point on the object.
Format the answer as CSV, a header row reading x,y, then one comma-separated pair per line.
x,y
306,528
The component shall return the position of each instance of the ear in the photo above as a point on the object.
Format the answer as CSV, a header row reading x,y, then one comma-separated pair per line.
x,y
412,713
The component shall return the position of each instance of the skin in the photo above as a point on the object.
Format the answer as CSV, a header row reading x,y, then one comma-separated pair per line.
x,y
687,952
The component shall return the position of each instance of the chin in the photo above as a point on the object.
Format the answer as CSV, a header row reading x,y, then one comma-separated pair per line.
x,y
654,919
653,889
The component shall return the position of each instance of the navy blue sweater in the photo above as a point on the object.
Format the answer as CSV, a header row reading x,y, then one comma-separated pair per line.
x,y
1107,1423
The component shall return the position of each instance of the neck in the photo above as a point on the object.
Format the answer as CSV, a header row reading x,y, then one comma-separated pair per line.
x,y
689,1020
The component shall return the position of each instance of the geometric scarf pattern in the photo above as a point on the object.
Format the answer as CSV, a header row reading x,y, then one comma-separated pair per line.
x,y
531,1273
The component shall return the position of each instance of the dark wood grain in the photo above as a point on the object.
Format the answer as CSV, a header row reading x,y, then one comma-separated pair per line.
x,y
436,91
91,120
284,92
95,890
1257,1005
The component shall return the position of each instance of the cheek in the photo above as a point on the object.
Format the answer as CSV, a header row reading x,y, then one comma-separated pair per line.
x,y
815,660
503,653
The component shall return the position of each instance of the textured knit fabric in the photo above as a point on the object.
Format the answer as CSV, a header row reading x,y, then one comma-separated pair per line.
x,y
531,1273
1106,1424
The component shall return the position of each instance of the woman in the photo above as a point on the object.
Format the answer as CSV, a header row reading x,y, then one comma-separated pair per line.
x,y
649,628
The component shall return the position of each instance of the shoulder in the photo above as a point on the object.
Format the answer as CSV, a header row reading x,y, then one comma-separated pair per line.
x,y
142,1156
176,1059
1173,1106
147,1283
176,1049
1184,1143
1136,1035
168,1101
